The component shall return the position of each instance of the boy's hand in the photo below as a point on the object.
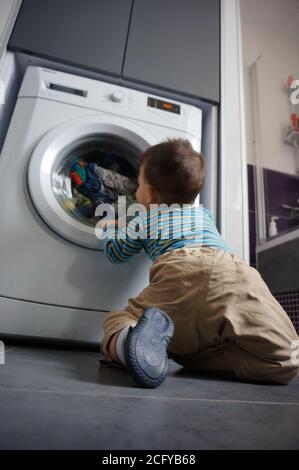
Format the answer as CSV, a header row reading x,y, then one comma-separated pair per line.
x,y
106,223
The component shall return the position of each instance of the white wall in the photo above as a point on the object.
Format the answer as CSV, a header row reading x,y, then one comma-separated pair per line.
x,y
8,13
233,173
275,108
270,39
5,9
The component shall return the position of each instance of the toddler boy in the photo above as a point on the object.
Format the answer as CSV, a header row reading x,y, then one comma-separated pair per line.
x,y
204,307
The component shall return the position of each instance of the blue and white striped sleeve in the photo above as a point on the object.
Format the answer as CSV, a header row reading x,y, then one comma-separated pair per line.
x,y
122,244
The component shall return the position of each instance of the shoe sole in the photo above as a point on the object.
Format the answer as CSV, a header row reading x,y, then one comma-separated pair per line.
x,y
146,348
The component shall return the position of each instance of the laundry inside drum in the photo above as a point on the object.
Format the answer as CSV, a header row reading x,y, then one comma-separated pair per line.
x,y
94,170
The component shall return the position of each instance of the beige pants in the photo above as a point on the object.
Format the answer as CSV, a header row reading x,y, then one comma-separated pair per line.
x,y
226,320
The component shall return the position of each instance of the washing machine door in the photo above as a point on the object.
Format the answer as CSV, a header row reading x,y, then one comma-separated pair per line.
x,y
49,182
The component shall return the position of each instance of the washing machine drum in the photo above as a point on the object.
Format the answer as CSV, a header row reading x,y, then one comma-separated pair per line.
x,y
80,165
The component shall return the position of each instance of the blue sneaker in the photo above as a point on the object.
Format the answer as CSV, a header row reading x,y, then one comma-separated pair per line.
x,y
146,347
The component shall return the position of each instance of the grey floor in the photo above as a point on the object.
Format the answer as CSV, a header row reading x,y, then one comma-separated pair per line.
x,y
57,398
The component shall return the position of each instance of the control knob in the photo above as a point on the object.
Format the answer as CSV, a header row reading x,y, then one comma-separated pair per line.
x,y
118,96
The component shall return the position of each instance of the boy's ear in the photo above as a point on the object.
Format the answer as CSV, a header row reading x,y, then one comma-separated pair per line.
x,y
154,194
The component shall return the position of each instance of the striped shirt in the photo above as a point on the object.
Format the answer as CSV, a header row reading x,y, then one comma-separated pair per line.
x,y
161,230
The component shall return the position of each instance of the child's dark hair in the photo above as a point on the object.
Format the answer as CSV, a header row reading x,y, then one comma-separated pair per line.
x,y
175,169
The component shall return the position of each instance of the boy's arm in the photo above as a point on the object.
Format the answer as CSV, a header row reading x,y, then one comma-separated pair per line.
x,y
121,249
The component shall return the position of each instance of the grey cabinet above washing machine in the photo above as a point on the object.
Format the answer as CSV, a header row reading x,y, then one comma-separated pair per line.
x,y
89,34
175,44
168,44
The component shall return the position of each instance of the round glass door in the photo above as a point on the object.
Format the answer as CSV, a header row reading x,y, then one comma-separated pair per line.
x,y
96,169
78,166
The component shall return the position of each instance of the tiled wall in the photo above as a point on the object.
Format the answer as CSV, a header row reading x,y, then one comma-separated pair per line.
x,y
252,215
290,302
280,189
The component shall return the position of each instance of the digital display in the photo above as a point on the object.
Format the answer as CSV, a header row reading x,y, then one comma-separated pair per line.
x,y
164,105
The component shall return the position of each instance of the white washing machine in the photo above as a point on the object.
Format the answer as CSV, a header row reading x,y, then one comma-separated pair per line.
x,y
54,279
